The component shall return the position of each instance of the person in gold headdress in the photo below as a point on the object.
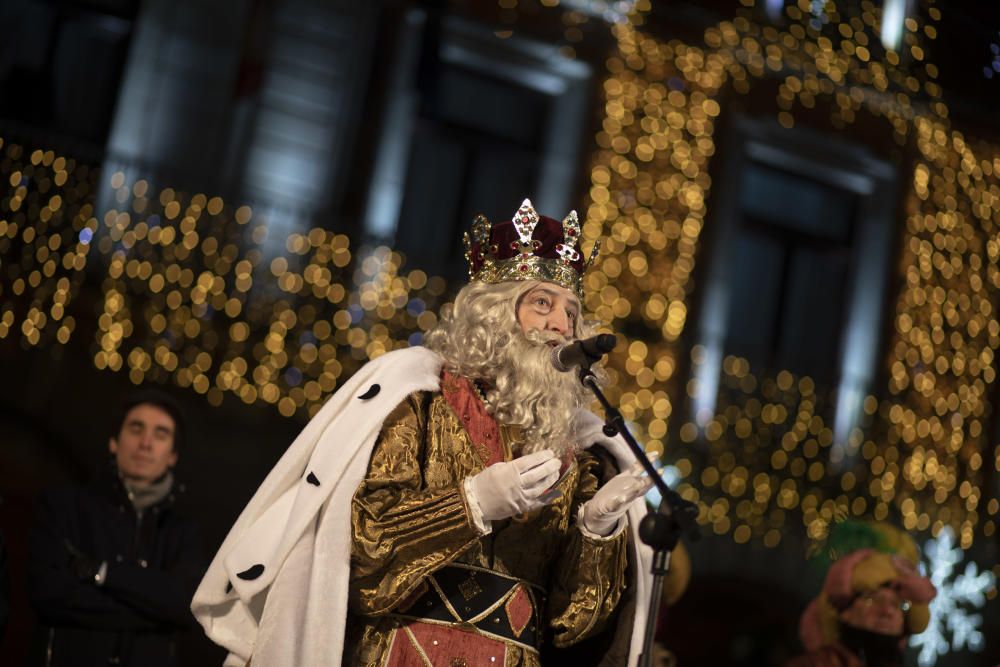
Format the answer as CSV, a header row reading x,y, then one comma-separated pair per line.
x,y
873,599
452,504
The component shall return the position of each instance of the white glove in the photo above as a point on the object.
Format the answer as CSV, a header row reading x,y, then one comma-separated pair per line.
x,y
514,487
601,514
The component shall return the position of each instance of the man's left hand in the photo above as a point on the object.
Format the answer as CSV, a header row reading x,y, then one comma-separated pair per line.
x,y
600,515
84,567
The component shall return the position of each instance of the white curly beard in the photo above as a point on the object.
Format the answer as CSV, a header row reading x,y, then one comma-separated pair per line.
x,y
530,393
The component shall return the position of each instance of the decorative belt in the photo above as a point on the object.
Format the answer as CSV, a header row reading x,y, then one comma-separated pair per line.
x,y
479,600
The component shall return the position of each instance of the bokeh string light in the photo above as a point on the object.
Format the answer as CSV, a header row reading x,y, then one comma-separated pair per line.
x,y
922,449
192,291
575,15
765,454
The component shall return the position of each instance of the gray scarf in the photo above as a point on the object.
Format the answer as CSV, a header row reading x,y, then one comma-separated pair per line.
x,y
144,497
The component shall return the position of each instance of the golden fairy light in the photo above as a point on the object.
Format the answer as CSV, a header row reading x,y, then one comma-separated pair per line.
x,y
767,451
192,292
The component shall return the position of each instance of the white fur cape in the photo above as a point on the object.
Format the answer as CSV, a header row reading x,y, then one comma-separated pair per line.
x,y
277,589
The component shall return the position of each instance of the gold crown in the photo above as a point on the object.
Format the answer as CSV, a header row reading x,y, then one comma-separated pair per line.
x,y
528,247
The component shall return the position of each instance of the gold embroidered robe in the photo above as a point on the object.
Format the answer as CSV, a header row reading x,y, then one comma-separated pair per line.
x,y
410,518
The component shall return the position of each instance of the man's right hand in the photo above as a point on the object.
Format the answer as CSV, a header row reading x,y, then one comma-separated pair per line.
x,y
515,487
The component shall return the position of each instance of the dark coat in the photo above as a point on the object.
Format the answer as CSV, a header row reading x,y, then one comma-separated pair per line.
x,y
154,563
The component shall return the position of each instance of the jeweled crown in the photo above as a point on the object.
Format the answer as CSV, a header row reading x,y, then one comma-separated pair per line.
x,y
528,247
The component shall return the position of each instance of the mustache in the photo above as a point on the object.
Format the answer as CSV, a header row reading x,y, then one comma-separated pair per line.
x,y
538,337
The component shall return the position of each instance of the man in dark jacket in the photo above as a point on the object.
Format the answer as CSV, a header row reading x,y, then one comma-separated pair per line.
x,y
113,566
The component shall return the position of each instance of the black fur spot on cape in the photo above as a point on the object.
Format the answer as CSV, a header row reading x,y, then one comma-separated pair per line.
x,y
251,572
371,393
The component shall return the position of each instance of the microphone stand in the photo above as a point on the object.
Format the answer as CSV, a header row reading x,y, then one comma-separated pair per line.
x,y
661,529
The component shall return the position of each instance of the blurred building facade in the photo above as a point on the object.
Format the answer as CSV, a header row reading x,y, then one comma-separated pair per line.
x,y
244,200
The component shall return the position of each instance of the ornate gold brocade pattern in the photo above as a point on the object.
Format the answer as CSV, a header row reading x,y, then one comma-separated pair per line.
x,y
409,518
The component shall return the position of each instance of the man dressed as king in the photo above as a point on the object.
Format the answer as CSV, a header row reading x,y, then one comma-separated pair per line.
x,y
453,504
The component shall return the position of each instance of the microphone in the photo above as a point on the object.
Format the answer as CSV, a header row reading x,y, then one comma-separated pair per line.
x,y
582,352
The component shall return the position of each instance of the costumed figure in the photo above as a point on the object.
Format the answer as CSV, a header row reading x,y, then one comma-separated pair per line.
x,y
453,504
873,599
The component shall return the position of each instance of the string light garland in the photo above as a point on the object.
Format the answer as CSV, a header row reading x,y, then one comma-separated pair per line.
x,y
193,291
574,15
922,449
780,463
